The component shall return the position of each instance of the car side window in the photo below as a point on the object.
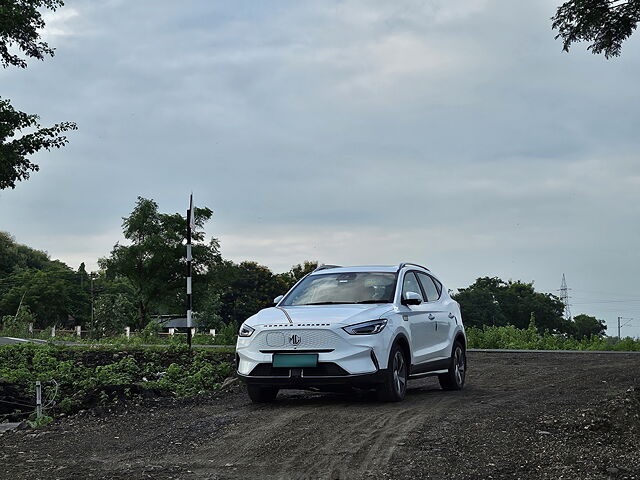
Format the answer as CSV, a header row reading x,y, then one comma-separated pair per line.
x,y
429,286
410,284
438,286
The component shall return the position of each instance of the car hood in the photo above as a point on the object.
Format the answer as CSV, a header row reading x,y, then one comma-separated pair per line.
x,y
331,314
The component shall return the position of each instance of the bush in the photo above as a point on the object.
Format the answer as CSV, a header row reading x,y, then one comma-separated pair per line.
x,y
513,338
87,376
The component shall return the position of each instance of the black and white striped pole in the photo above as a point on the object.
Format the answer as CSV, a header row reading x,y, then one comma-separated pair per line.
x,y
190,224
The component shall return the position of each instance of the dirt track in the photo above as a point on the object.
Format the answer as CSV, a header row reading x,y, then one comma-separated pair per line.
x,y
520,416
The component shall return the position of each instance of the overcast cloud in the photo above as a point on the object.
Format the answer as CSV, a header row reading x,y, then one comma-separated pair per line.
x,y
453,134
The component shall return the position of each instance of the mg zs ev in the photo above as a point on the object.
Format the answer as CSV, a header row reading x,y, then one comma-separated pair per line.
x,y
367,327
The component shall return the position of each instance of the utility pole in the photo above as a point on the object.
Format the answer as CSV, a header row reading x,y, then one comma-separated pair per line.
x,y
191,223
619,318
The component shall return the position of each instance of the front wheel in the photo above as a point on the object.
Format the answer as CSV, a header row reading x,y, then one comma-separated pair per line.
x,y
259,394
394,387
454,378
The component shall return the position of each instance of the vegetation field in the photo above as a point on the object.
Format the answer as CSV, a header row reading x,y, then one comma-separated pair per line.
x,y
510,337
75,378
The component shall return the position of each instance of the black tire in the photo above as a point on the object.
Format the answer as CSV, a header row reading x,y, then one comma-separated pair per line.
x,y
454,378
259,394
394,386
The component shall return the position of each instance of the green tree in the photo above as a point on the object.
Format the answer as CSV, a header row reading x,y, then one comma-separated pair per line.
x,y
20,25
244,288
586,326
154,260
492,301
605,24
112,313
52,295
210,308
15,148
17,324
297,272
15,257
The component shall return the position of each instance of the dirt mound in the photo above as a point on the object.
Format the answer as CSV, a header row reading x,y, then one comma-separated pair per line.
x,y
618,416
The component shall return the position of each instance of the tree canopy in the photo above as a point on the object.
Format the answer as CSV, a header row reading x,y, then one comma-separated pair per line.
x,y
16,149
585,326
605,24
154,260
492,301
20,25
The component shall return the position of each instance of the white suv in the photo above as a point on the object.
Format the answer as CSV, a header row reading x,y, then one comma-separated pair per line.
x,y
368,327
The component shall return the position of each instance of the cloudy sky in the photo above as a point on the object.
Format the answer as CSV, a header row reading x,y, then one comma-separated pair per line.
x,y
453,134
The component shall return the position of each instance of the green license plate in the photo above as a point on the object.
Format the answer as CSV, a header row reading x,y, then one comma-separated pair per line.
x,y
295,360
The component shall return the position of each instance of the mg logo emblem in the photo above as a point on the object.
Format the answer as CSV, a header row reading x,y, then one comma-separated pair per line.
x,y
294,339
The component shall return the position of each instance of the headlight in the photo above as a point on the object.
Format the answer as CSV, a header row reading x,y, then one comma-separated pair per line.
x,y
366,328
246,331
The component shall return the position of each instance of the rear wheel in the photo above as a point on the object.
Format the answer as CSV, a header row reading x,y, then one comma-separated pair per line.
x,y
394,387
259,394
454,378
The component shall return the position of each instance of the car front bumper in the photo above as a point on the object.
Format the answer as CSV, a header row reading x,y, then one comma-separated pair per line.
x,y
297,379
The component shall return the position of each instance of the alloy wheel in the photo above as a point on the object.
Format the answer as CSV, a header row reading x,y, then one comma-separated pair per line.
x,y
399,373
459,365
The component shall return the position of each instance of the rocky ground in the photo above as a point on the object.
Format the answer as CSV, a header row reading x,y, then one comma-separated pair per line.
x,y
521,415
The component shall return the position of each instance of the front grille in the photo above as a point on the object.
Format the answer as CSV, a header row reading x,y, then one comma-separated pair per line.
x,y
324,369
307,338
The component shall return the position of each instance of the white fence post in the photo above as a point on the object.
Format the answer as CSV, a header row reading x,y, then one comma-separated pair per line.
x,y
172,331
78,330
212,332
127,331
193,332
53,331
31,328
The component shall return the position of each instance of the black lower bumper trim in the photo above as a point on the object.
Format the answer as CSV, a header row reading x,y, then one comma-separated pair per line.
x,y
294,381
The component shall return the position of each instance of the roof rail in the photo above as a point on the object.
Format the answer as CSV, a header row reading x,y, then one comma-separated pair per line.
x,y
404,264
325,267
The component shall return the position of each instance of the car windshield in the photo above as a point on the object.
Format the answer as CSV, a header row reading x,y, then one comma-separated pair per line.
x,y
340,288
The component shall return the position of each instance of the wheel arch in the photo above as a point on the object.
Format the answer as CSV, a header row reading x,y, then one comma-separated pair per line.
x,y
402,340
462,339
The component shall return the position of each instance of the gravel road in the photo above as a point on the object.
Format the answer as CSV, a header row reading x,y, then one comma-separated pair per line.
x,y
521,415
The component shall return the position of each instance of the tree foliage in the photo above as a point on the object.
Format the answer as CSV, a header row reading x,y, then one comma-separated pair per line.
x,y
112,313
244,288
15,257
586,326
492,301
605,24
15,150
154,260
20,25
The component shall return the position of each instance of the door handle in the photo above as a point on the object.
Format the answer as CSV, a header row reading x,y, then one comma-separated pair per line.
x,y
451,316
431,317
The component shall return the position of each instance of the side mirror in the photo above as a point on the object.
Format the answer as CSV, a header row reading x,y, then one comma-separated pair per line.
x,y
277,299
412,298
